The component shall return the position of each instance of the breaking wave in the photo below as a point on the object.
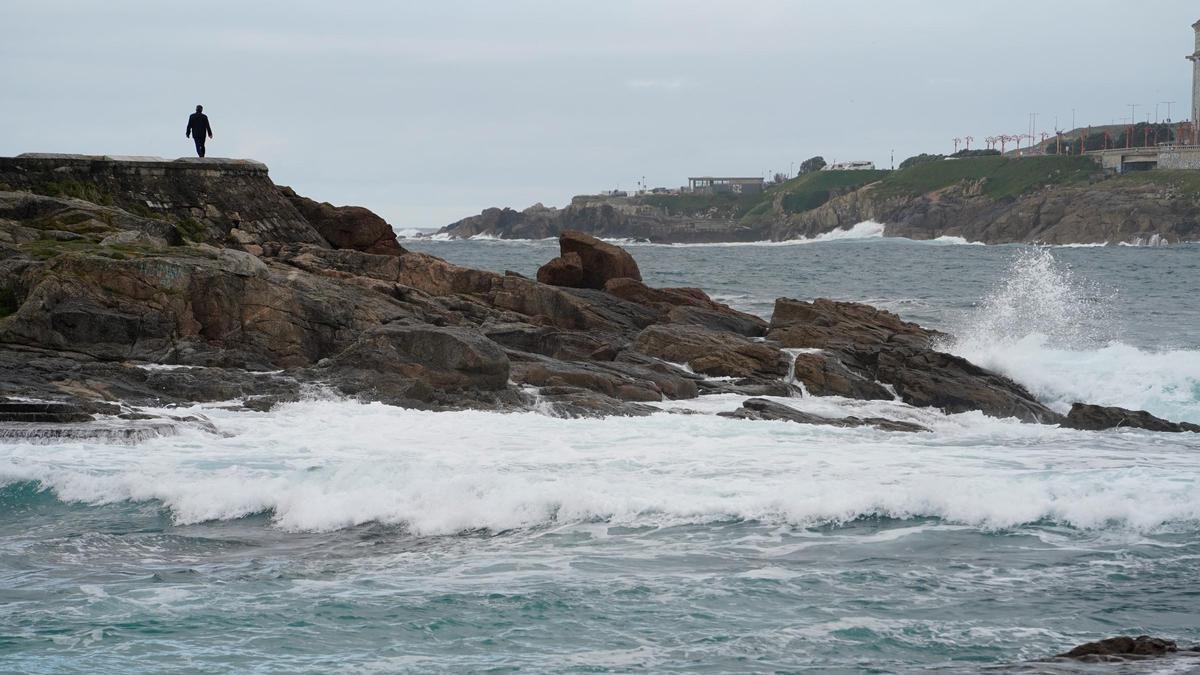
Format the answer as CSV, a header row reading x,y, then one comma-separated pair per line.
x,y
326,465
1055,332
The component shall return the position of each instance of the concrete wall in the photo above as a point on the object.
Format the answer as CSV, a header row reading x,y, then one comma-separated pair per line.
x,y
1179,158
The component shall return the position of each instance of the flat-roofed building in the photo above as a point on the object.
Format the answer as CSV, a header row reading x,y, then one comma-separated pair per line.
x,y
717,184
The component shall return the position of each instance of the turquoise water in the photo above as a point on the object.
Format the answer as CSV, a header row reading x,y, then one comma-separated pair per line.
x,y
333,536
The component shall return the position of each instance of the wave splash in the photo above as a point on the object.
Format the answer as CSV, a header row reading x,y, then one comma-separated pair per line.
x,y
328,465
1055,333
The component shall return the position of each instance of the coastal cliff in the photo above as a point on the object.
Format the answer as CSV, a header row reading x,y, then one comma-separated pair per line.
x,y
127,283
992,200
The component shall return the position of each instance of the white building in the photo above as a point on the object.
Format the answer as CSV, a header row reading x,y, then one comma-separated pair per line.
x,y
850,166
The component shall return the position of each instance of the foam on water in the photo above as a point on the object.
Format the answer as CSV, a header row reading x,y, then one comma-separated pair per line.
x,y
327,465
1053,331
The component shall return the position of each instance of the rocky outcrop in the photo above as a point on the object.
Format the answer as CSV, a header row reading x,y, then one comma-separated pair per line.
x,y
877,346
1098,418
1112,212
1039,200
611,219
99,303
215,201
1122,648
587,262
347,226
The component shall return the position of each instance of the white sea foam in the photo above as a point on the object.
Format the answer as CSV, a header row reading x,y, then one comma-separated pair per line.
x,y
322,465
413,232
1052,331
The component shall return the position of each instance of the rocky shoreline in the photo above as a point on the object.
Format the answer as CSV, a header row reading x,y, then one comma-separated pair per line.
x,y
1154,208
138,283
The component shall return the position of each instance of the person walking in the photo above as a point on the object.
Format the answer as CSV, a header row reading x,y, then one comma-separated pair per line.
x,y
198,129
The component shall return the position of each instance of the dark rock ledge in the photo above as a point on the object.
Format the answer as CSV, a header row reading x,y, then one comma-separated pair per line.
x,y
111,269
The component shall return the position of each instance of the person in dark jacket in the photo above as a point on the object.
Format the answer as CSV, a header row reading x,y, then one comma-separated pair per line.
x,y
198,129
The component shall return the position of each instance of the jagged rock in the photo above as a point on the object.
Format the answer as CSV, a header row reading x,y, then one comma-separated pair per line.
x,y
879,347
1122,648
711,352
762,409
350,227
598,261
938,380
1096,418
565,270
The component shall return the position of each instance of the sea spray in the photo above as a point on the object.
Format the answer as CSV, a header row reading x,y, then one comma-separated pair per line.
x,y
1054,332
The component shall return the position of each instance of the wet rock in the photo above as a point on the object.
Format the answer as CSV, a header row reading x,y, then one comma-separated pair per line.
x,y
574,402
711,352
1088,417
1122,648
937,380
42,412
763,409
598,261
823,374
545,372
879,347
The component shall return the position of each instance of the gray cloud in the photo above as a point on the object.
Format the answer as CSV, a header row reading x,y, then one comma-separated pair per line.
x,y
428,112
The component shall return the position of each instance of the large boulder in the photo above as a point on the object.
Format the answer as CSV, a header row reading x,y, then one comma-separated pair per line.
x,y
600,261
1097,418
711,352
350,227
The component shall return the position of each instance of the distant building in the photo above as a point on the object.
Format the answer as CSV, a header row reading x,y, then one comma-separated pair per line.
x,y
716,184
850,166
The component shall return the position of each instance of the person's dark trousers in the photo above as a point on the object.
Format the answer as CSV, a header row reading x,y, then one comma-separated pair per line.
x,y
199,145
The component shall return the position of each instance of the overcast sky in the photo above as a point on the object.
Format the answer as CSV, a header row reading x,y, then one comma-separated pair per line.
x,y
427,112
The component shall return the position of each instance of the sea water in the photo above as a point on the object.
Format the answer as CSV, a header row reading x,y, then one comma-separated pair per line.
x,y
329,535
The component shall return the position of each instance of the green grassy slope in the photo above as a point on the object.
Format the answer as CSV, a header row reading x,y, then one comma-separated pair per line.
x,y
1003,177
